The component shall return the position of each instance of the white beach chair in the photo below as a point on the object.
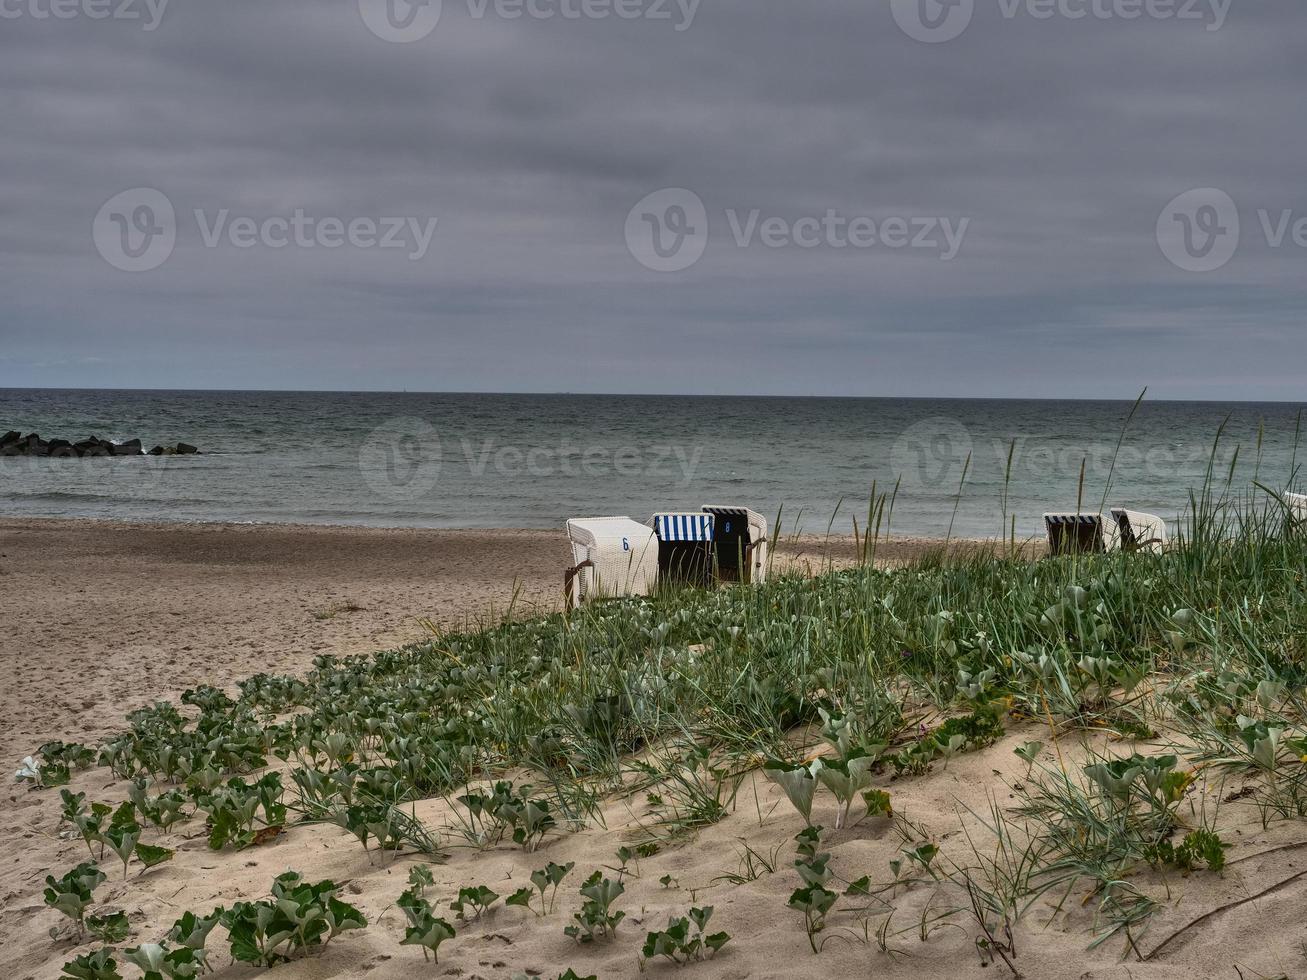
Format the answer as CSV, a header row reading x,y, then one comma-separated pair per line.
x,y
1296,503
1070,533
685,547
612,556
740,538
1139,531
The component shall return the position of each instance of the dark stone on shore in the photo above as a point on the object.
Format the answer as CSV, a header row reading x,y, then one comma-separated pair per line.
x,y
16,444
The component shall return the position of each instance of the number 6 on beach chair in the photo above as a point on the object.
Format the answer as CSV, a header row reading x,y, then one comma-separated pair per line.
x,y
740,540
612,556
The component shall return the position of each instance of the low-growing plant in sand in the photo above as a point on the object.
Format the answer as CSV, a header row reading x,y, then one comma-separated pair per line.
x,y
545,881
299,917
425,929
99,965
420,878
505,808
682,944
813,902
191,933
967,733
163,810
474,901
73,893
596,919
239,811
157,962
121,836
1201,847
694,789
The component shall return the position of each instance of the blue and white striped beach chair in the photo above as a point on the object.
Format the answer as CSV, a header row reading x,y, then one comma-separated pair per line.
x,y
1071,533
685,547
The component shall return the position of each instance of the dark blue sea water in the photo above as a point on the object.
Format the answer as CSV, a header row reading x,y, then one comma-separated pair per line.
x,y
464,460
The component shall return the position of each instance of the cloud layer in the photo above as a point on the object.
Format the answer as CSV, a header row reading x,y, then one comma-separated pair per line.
x,y
1056,140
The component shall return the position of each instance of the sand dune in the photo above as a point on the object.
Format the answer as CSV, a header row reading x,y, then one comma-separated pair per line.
x,y
104,618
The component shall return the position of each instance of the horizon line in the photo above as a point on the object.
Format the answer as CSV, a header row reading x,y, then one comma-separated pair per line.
x,y
656,394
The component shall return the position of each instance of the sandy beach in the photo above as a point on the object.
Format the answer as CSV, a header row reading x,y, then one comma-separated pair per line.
x,y
171,606
108,617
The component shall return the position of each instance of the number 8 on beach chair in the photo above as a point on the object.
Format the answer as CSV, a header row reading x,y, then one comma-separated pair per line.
x,y
740,541
612,556
685,548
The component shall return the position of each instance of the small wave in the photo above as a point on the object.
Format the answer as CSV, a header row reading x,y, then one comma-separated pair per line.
x,y
71,496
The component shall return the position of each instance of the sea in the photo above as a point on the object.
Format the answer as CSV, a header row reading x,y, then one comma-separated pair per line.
x,y
950,467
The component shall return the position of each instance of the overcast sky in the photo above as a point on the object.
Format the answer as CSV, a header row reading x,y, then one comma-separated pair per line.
x,y
887,209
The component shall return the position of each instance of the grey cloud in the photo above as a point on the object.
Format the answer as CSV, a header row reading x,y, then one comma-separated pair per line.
x,y
530,140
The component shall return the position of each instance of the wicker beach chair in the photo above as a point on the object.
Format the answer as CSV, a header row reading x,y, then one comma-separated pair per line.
x,y
685,548
612,556
1071,533
1139,531
740,541
1296,506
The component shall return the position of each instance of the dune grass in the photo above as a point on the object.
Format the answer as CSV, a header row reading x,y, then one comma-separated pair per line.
x,y
1194,660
